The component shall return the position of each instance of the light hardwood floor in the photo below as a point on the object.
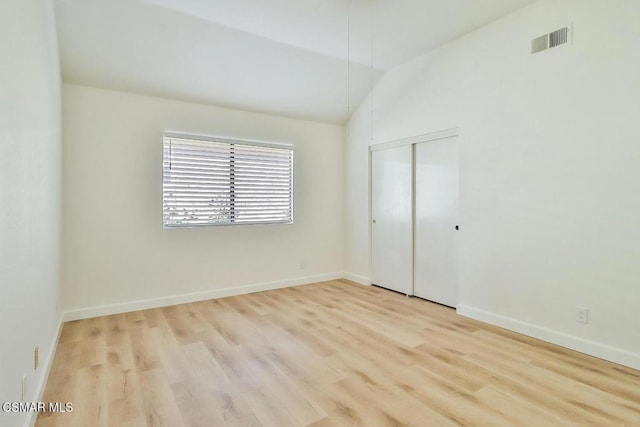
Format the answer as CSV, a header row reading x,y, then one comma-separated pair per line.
x,y
331,353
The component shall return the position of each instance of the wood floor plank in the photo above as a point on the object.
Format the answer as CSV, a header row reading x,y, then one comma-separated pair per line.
x,y
160,404
327,354
144,352
123,395
90,397
516,379
520,411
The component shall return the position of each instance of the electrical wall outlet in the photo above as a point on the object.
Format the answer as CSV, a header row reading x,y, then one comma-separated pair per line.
x,y
582,315
36,358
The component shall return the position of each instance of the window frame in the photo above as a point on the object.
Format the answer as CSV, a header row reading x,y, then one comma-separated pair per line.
x,y
231,141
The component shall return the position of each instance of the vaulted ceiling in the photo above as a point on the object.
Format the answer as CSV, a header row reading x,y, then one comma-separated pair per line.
x,y
297,58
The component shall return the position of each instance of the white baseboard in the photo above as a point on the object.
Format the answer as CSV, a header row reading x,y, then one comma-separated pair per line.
x,y
357,278
48,362
124,307
573,342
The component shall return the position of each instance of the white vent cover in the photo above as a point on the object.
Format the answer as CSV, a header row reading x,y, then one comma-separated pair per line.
x,y
548,41
540,43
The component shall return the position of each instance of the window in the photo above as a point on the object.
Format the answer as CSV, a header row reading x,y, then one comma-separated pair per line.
x,y
220,181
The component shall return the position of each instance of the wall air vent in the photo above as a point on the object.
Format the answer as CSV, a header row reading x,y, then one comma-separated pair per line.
x,y
540,43
558,37
548,41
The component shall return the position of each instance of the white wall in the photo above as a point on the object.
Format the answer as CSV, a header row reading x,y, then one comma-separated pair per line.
x,y
29,195
115,249
549,169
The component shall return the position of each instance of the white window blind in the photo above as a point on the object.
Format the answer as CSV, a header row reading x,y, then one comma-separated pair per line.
x,y
219,181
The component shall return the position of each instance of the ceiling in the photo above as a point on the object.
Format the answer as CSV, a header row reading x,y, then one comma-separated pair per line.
x,y
296,58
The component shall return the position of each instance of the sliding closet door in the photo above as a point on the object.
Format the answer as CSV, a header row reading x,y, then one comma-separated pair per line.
x,y
436,212
391,228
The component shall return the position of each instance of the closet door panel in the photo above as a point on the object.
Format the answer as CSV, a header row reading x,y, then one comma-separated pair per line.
x,y
436,212
391,228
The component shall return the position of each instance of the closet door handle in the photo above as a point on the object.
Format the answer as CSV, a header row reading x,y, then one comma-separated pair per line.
x,y
374,221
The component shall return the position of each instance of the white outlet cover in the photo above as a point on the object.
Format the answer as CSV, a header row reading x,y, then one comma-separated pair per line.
x,y
582,315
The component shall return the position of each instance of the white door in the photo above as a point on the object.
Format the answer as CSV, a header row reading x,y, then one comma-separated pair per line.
x,y
391,228
436,213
